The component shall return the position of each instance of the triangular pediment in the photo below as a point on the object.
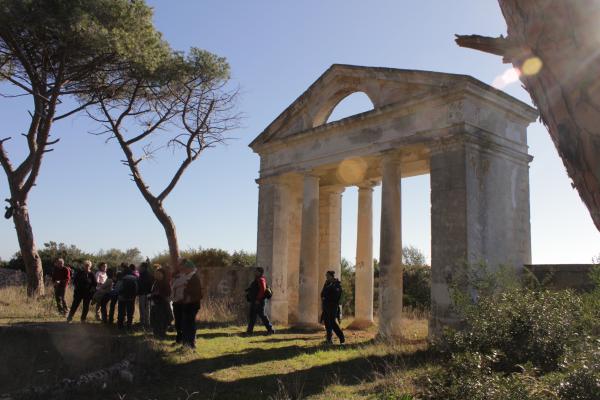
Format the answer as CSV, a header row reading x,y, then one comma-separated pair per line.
x,y
384,86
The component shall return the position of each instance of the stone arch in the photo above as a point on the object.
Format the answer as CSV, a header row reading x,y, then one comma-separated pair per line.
x,y
324,109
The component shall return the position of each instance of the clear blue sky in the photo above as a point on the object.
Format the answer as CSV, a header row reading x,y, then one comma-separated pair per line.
x,y
276,50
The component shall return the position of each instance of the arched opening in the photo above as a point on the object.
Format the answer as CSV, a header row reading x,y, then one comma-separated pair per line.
x,y
355,103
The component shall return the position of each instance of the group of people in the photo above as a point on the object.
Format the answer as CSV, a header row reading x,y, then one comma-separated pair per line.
x,y
167,298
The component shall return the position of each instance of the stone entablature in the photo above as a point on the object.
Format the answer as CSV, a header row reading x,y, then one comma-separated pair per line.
x,y
469,137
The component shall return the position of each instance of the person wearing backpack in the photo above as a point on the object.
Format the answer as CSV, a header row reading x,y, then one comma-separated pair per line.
x,y
330,299
257,294
128,289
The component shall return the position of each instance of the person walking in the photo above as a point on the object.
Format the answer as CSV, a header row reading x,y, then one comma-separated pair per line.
x,y
127,292
187,293
61,276
330,299
84,286
145,282
160,309
256,295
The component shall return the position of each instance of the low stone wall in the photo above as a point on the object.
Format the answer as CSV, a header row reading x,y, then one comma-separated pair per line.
x,y
563,276
12,277
226,282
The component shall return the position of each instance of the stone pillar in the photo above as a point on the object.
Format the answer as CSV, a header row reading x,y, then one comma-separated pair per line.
x,y
390,264
363,300
308,301
479,215
330,232
272,244
294,234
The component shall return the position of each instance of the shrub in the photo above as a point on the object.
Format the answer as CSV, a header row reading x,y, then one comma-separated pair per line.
x,y
417,286
520,326
243,258
582,378
470,376
211,258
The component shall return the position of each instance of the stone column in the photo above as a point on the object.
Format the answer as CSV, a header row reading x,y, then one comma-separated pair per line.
x,y
363,300
390,264
272,244
330,232
479,215
308,301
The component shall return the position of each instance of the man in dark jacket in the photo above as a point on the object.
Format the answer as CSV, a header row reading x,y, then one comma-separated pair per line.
x,y
127,289
84,286
145,282
190,304
61,277
330,298
256,297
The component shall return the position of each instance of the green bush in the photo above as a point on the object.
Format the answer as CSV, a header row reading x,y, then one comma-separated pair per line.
x,y
212,257
417,286
582,372
243,258
470,376
521,326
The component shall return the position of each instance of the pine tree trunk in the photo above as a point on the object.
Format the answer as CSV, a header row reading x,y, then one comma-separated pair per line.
x,y
565,37
33,263
171,233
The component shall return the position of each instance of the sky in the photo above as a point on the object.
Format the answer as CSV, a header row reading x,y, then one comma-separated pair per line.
x,y
276,49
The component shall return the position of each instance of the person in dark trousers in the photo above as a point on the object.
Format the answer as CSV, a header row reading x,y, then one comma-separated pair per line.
x,y
84,287
103,294
187,293
113,297
255,295
160,310
61,276
127,290
145,282
330,299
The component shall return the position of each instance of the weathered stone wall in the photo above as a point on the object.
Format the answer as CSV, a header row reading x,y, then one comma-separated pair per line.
x,y
226,282
563,276
11,277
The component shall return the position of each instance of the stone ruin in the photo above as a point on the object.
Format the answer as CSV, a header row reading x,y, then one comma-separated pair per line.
x,y
469,137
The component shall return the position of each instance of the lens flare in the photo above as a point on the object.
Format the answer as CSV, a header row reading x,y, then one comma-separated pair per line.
x,y
532,66
352,171
509,76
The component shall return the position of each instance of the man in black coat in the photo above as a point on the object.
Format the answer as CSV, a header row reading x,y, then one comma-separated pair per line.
x,y
84,287
330,299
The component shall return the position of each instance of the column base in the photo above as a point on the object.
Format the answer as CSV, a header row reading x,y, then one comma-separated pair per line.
x,y
278,311
392,330
307,327
360,324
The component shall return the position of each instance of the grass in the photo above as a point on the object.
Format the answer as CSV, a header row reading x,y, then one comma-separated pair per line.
x,y
225,364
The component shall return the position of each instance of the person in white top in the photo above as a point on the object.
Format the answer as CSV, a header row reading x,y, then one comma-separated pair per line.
x,y
100,280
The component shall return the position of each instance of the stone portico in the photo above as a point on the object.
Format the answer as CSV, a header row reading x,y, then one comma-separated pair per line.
x,y
469,137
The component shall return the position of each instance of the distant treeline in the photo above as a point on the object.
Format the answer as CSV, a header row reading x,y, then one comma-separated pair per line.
x,y
74,256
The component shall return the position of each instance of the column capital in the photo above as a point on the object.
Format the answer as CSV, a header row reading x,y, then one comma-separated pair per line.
x,y
333,189
368,185
390,157
274,180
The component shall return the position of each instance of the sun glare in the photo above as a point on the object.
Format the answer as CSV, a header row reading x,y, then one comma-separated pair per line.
x,y
509,76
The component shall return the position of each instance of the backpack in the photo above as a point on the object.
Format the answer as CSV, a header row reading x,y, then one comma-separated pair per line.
x,y
128,288
268,292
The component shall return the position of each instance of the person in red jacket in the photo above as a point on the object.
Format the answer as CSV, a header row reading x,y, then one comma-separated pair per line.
x,y
61,278
256,297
